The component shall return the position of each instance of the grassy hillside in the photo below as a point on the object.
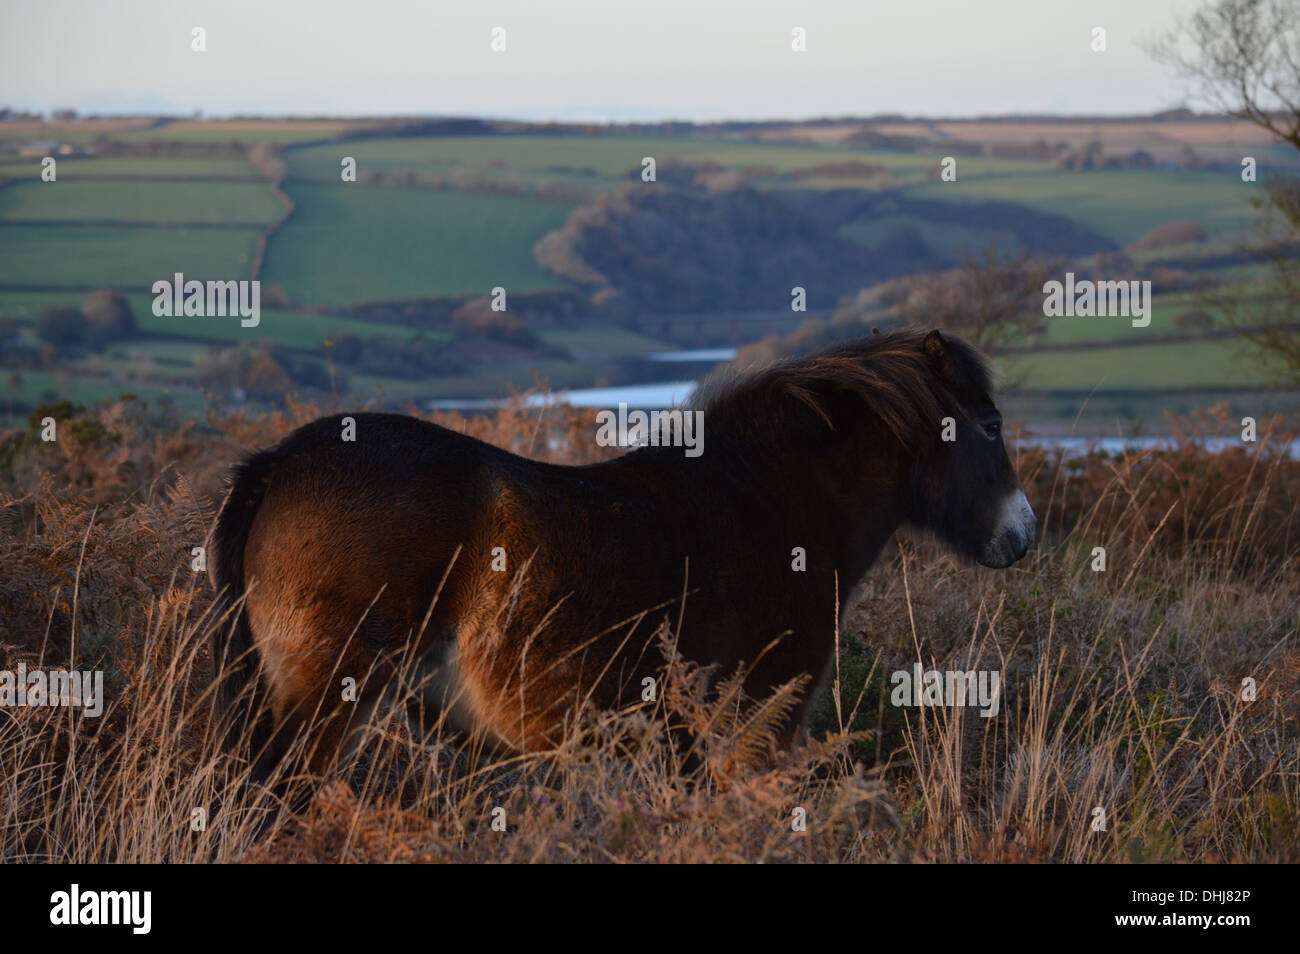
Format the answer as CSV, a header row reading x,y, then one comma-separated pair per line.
x,y
164,203
1120,689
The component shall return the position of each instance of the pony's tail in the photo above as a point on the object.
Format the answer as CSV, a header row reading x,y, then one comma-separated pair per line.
x,y
243,720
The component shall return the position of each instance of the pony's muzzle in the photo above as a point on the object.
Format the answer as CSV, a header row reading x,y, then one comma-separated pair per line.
x,y
1016,530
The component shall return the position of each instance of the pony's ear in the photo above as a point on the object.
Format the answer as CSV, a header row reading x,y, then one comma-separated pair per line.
x,y
936,349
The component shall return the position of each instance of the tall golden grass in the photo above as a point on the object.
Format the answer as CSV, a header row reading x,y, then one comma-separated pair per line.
x,y
1121,688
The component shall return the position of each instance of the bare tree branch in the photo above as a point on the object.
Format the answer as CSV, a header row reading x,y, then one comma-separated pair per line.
x,y
1244,57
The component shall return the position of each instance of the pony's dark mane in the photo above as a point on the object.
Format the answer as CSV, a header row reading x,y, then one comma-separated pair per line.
x,y
890,373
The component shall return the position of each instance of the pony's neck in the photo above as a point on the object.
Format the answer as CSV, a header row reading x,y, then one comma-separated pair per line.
x,y
842,486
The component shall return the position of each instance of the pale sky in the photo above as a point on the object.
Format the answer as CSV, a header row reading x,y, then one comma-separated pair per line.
x,y
587,59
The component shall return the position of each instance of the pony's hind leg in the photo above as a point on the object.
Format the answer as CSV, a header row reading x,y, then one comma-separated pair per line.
x,y
436,703
318,676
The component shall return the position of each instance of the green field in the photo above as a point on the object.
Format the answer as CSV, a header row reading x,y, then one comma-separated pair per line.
x,y
1189,364
126,258
611,158
1122,205
44,387
163,203
290,328
1164,309
354,243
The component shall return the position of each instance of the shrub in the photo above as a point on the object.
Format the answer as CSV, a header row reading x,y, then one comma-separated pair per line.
x,y
1171,233
476,319
1193,320
346,348
255,370
108,317
62,327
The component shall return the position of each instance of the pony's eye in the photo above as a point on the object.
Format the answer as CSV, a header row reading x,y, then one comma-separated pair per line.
x,y
993,430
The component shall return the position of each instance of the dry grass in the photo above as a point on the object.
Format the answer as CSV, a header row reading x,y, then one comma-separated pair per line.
x,y
1120,688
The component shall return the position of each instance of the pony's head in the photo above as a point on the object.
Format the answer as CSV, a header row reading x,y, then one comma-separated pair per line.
x,y
905,413
964,488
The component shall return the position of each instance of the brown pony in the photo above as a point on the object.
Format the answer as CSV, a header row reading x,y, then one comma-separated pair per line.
x,y
527,589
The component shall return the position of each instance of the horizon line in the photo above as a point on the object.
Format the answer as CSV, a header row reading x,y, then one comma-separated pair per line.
x,y
1181,112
